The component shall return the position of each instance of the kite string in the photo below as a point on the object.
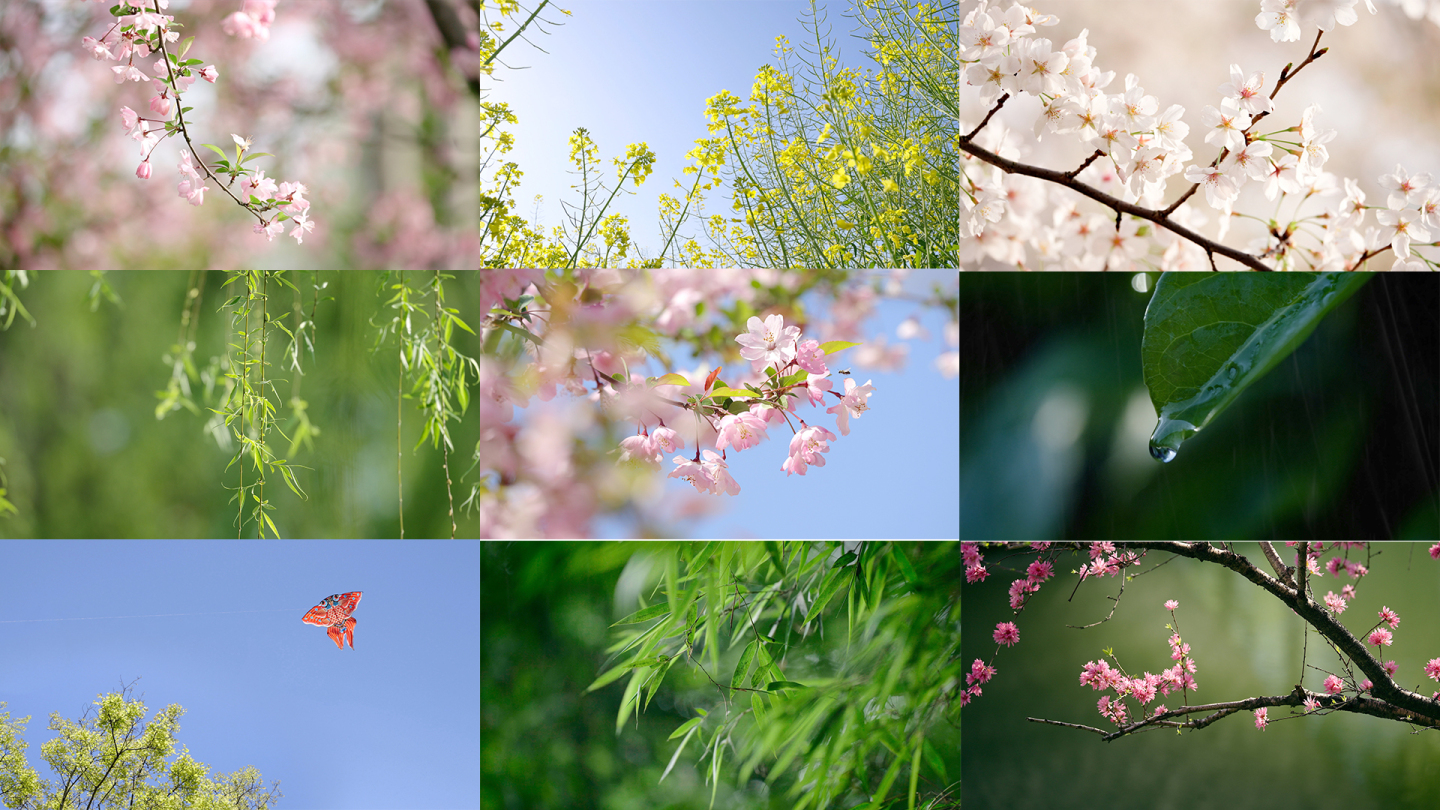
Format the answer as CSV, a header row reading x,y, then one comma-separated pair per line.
x,y
145,616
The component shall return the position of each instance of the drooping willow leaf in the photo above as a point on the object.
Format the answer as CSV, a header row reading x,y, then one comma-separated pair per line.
x,y
1209,336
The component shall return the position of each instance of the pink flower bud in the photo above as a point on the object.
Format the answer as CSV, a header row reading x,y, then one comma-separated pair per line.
x,y
209,73
160,105
143,170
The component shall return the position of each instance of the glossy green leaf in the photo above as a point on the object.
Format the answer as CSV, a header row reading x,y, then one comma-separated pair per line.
x,y
670,379
645,615
1209,336
836,346
732,393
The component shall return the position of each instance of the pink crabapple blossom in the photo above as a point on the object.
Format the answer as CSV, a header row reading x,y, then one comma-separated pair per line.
x,y
1381,636
1333,685
1007,633
1260,718
1171,604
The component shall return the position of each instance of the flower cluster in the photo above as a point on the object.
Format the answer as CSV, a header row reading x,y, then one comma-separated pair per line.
x,y
1138,146
141,30
740,417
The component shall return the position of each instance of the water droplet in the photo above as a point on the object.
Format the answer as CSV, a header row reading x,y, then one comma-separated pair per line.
x,y
1164,454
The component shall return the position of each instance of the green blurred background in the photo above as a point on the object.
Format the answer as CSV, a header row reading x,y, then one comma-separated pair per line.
x,y
1244,642
546,610
1339,441
86,457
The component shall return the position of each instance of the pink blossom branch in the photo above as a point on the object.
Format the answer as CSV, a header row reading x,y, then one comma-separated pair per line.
x,y
1397,698
1358,704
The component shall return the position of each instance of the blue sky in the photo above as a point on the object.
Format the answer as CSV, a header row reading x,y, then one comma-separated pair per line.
x,y
393,723
896,475
640,70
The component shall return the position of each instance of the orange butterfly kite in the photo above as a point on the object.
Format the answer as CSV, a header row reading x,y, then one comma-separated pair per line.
x,y
333,614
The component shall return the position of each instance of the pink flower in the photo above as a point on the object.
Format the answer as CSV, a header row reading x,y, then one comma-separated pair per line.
x,y
274,228
194,191
1433,668
980,672
768,342
741,431
1018,590
260,186
853,404
970,553
1348,592
1260,719
187,167
209,73
1381,636
692,472
1311,704
97,49
815,388
1007,633
263,11
1091,674
975,573
639,448
1390,617
1333,685
244,26
1039,571
806,447
303,225
160,105
719,474
1171,604
1098,550
1435,552
134,74
1391,668
665,440
1334,602
810,358
143,170
129,117
1365,685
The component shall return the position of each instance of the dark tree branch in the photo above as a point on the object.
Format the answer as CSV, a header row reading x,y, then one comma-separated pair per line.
x,y
1395,699
1160,218
447,20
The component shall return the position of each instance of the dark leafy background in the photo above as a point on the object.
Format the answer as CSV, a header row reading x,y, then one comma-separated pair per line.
x,y
1338,441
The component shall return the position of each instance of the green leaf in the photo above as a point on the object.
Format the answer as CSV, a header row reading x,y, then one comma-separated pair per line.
x,y
933,757
834,583
845,559
743,668
835,346
645,615
1210,336
217,150
186,109
608,678
732,393
659,679
905,568
790,379
254,155
736,406
774,686
669,379
676,755
686,726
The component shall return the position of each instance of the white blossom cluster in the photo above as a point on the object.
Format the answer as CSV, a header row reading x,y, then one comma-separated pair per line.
x,y
1024,222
